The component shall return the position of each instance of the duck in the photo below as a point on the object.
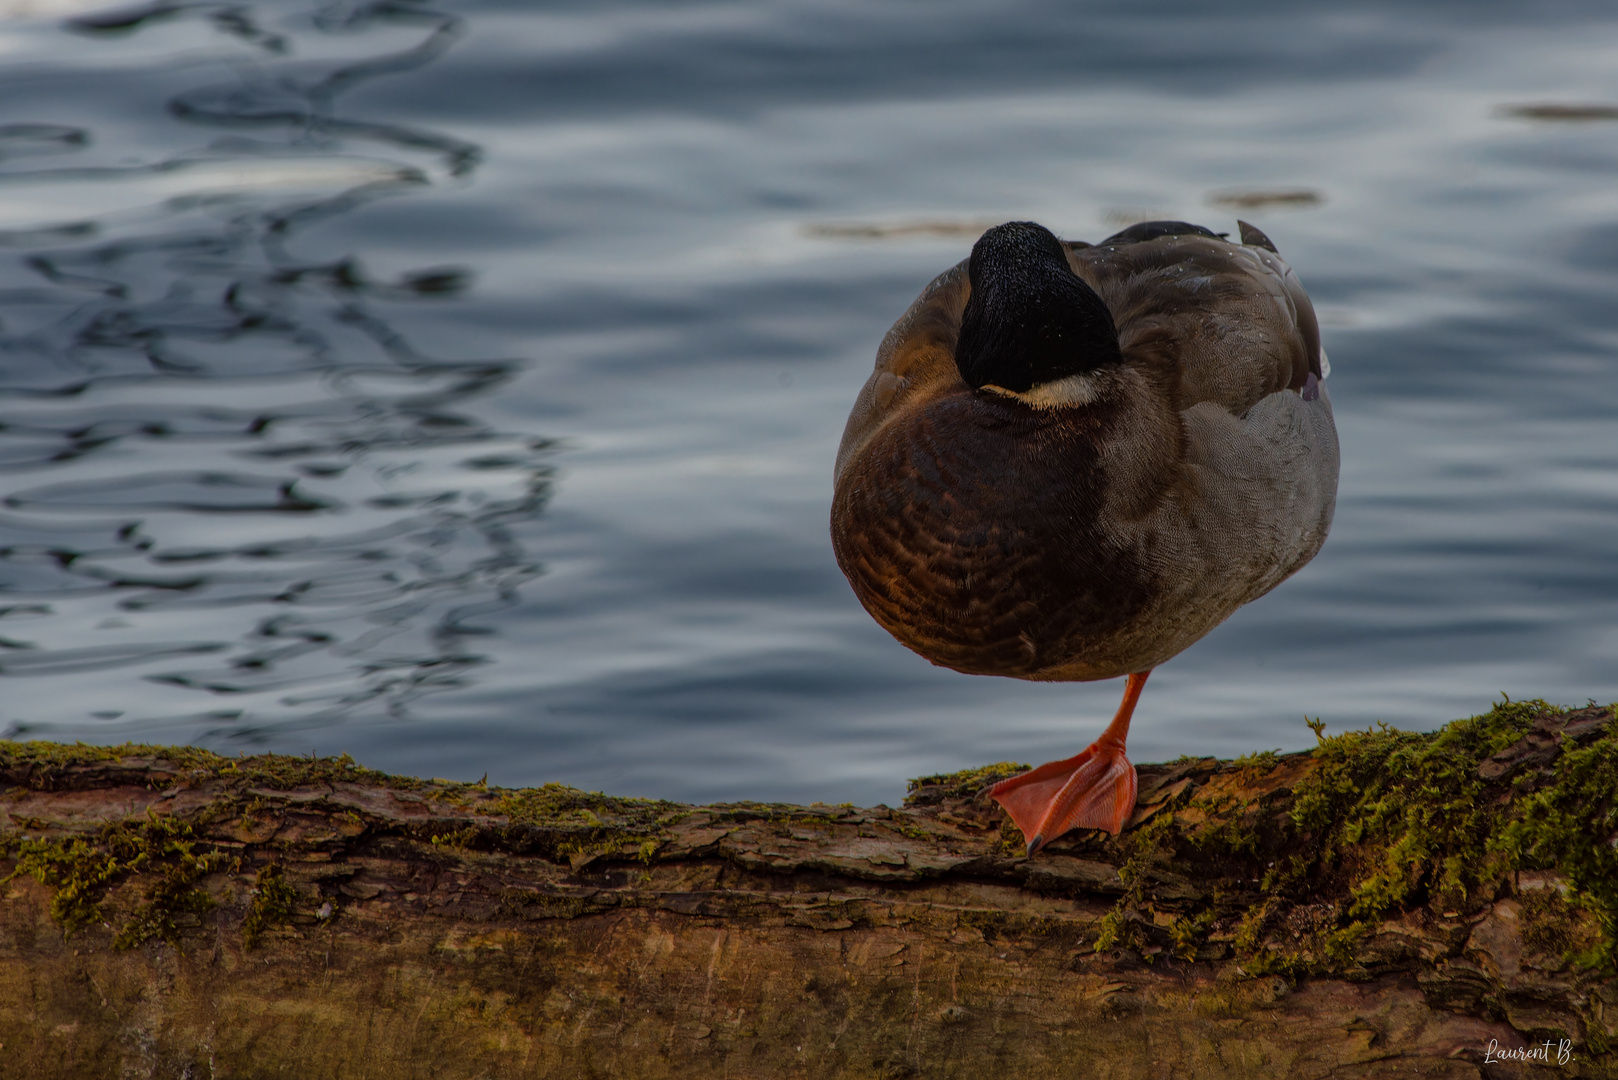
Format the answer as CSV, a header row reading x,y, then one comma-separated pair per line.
x,y
1073,461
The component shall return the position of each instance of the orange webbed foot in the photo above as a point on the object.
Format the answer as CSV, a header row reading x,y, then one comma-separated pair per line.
x,y
1094,790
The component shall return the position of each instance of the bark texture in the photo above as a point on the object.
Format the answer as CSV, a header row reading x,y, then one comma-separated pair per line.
x,y
176,914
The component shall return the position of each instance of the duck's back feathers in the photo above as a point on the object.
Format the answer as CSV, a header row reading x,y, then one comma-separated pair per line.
x,y
1230,319
1151,230
1104,533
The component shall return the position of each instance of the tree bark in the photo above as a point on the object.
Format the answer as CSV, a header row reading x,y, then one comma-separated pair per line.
x,y
172,913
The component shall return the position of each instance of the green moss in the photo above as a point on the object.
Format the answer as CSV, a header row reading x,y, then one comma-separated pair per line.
x,y
38,764
174,896
1567,826
41,757
1145,850
1407,813
1255,766
567,823
742,813
1341,946
1403,819
1226,828
926,790
78,871
457,840
1250,932
1188,934
1114,929
560,805
82,872
1386,820
284,773
168,846
274,901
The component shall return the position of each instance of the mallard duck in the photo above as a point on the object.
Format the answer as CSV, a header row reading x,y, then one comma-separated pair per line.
x,y
1073,461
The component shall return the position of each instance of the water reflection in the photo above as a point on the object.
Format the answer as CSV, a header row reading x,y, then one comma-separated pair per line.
x,y
174,371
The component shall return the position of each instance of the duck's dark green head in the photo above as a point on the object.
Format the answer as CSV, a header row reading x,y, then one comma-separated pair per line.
x,y
1030,320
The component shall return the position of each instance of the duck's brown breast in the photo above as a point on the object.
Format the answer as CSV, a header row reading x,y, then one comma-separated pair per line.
x,y
971,530
1090,542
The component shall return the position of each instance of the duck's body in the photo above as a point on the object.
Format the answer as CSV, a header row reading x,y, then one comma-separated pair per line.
x,y
1078,519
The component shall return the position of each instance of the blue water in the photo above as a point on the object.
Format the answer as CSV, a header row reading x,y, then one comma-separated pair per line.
x,y
458,386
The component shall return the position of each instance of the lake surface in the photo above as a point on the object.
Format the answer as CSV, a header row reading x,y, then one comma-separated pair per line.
x,y
458,387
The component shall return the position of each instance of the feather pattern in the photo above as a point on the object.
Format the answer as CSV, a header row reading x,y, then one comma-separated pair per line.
x,y
1099,533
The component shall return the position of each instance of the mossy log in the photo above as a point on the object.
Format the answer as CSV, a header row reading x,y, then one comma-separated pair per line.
x,y
1388,904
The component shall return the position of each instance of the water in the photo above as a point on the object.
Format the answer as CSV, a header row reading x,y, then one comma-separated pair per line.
x,y
458,387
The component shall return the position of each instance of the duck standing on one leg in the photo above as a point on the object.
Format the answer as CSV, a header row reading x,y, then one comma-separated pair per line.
x,y
1073,461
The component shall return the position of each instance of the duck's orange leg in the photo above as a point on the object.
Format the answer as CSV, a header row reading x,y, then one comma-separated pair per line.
x,y
1095,790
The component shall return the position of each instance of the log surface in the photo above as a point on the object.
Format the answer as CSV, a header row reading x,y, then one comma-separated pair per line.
x,y
306,917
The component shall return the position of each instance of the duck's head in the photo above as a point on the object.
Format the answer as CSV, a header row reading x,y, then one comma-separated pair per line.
x,y
1032,329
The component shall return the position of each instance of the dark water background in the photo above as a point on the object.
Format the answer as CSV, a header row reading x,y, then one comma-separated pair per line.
x,y
458,386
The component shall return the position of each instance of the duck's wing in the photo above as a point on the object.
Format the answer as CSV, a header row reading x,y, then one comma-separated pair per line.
x,y
1226,323
1229,322
1228,334
915,363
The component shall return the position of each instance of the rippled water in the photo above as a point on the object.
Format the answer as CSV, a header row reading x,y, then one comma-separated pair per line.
x,y
458,387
